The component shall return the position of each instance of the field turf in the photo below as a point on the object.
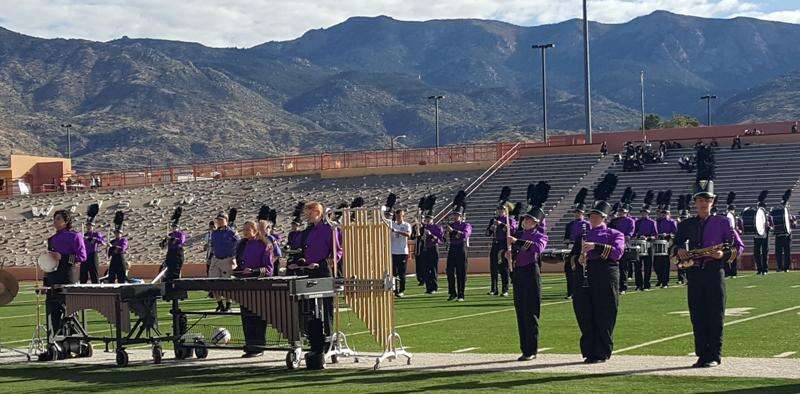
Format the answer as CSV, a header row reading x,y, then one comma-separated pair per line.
x,y
763,320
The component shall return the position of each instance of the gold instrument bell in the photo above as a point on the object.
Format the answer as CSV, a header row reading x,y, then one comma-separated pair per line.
x,y
9,287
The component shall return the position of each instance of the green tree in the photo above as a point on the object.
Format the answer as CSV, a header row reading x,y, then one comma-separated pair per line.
x,y
681,121
652,121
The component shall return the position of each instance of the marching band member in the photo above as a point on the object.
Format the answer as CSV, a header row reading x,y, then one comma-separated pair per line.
x,y
645,228
761,242
67,247
783,239
572,234
94,240
706,285
257,260
684,202
526,275
457,234
596,303
174,242
432,237
498,256
296,238
223,252
732,269
319,262
667,226
118,267
626,225
401,231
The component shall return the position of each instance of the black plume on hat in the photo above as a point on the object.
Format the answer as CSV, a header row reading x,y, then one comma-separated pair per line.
x,y
391,200
505,194
357,202
298,212
459,202
421,203
91,212
786,196
762,197
602,192
232,216
430,201
119,219
729,200
580,199
263,213
176,216
627,198
538,196
648,200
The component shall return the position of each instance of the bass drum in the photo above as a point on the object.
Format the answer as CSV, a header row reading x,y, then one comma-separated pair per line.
x,y
782,221
732,219
754,221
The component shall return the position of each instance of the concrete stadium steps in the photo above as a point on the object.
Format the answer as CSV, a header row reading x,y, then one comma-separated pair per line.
x,y
561,171
746,172
22,238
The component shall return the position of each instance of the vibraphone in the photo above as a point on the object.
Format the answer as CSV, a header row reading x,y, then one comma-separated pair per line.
x,y
285,303
115,302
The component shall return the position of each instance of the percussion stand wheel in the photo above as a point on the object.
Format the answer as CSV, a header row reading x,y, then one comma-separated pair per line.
x,y
158,353
87,350
377,364
201,351
52,352
182,352
293,359
334,359
122,358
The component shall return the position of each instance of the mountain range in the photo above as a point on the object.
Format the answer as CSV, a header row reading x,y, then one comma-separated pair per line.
x,y
357,84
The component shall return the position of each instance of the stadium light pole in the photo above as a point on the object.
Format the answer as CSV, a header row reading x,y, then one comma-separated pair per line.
x,y
68,126
587,76
436,120
544,48
708,99
641,85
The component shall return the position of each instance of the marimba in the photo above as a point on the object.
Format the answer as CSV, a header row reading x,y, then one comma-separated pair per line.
x,y
115,302
285,303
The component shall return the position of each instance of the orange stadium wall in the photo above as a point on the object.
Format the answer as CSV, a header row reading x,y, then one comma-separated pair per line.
x,y
446,167
38,171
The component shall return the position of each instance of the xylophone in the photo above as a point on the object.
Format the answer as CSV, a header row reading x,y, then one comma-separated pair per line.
x,y
285,303
115,302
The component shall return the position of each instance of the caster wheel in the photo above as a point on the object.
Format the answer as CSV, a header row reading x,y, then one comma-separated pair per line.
x,y
315,361
122,358
87,350
334,359
182,352
292,360
376,366
408,362
356,359
158,354
52,353
201,351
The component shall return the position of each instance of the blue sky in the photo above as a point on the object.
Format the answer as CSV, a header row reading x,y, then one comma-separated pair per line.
x,y
244,23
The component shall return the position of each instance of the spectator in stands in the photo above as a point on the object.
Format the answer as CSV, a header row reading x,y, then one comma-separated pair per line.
x,y
699,144
603,149
737,143
714,143
794,128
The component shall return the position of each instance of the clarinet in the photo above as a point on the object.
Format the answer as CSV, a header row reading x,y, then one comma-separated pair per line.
x,y
582,260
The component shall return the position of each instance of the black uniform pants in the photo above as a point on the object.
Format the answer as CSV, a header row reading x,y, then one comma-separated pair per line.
x,y
399,267
117,272
457,270
661,266
626,269
568,273
643,270
89,269
732,269
706,296
761,254
783,252
428,262
527,283
174,263
255,332
498,265
595,309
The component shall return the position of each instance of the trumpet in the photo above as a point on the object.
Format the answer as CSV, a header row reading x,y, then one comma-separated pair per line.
x,y
696,253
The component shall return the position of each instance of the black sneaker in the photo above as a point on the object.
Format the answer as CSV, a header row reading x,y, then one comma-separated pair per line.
x,y
526,357
252,354
451,298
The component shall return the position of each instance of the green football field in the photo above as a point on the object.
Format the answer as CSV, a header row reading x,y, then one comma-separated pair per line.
x,y
763,321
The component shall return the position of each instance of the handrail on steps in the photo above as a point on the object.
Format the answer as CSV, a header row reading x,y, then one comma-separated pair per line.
x,y
505,158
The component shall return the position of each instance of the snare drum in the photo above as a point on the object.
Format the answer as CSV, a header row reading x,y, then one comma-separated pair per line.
x,y
660,247
643,245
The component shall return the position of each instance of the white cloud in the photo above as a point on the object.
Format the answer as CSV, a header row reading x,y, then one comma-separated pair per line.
x,y
245,23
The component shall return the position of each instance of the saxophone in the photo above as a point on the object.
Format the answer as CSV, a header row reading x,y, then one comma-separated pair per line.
x,y
696,253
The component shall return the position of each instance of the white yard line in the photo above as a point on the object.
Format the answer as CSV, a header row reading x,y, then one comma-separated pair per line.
x,y
783,355
686,334
469,349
